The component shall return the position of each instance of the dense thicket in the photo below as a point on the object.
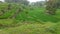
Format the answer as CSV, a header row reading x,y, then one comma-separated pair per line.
x,y
52,6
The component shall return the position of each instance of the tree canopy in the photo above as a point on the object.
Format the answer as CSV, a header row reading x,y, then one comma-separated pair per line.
x,y
25,2
52,6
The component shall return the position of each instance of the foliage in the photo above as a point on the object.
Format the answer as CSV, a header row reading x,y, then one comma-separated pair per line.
x,y
52,6
28,20
25,2
38,3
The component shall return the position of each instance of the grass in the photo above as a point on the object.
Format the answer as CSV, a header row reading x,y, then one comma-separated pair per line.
x,y
35,28
30,21
38,15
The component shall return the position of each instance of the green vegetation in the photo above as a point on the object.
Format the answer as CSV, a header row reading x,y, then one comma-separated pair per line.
x,y
22,19
52,6
35,28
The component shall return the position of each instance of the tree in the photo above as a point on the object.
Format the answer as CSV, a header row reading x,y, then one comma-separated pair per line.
x,y
52,5
25,2
38,3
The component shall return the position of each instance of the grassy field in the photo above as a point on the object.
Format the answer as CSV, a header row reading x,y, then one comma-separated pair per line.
x,y
30,21
34,28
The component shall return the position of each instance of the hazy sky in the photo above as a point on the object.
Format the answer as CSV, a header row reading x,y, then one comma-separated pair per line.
x,y
29,0
2,0
35,0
